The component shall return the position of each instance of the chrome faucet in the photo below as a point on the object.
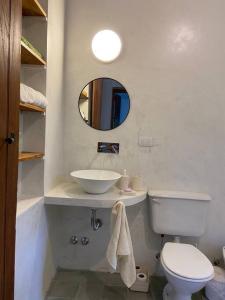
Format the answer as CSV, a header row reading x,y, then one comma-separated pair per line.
x,y
108,147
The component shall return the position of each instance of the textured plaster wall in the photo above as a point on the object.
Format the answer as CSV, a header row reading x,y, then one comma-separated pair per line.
x,y
173,66
34,266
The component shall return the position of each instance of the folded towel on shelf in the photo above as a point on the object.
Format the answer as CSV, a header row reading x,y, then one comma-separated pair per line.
x,y
31,96
120,250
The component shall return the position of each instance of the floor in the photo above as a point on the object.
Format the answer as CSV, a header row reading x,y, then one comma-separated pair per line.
x,y
85,285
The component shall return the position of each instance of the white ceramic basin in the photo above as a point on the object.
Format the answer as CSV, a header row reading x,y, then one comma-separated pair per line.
x,y
95,181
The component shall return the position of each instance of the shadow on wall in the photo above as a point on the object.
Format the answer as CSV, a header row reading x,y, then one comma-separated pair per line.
x,y
65,221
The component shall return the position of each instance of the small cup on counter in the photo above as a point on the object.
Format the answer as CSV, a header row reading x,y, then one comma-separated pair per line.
x,y
136,183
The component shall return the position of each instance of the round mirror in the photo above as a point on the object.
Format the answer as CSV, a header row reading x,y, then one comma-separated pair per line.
x,y
104,104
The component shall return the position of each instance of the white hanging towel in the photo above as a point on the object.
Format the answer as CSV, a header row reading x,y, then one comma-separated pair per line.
x,y
120,250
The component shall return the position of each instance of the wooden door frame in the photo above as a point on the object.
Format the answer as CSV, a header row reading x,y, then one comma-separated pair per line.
x,y
10,31
96,99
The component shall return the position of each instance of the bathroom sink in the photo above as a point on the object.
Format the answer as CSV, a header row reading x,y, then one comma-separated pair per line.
x,y
95,181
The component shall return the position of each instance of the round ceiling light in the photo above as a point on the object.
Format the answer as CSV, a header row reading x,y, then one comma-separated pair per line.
x,y
106,45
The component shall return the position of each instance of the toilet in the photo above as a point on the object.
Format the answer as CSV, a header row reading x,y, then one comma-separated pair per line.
x,y
179,214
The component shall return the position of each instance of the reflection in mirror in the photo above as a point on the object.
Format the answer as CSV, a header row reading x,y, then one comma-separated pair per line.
x,y
104,103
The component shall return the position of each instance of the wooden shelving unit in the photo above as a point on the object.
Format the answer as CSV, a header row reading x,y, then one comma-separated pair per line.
x,y
33,8
31,107
30,156
23,156
28,56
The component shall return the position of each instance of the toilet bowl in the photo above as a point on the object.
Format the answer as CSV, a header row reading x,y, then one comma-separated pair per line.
x,y
187,270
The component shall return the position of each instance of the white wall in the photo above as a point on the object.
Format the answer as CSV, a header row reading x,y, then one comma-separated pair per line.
x,y
34,267
173,66
54,114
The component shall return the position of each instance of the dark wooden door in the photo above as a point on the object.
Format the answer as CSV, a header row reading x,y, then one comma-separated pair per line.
x,y
10,32
96,99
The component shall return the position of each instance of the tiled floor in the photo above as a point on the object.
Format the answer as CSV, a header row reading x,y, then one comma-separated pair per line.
x,y
84,285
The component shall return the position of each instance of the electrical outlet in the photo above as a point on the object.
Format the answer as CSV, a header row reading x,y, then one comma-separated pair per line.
x,y
147,141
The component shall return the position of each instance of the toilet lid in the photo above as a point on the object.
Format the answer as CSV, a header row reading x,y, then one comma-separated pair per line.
x,y
186,261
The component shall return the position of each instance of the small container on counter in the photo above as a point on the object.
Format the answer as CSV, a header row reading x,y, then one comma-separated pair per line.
x,y
137,183
124,181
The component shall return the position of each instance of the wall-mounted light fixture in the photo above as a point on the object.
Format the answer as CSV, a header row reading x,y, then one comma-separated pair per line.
x,y
106,45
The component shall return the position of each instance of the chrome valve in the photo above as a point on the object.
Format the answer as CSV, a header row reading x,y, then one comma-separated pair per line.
x,y
74,239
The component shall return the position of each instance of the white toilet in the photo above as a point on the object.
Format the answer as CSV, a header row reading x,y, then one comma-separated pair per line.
x,y
181,214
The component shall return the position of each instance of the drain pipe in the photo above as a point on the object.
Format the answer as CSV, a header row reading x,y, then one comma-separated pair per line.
x,y
95,223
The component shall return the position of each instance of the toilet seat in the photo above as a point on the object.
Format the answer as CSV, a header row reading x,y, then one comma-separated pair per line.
x,y
184,278
186,261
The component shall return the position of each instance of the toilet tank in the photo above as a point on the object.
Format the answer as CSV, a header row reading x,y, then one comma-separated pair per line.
x,y
179,213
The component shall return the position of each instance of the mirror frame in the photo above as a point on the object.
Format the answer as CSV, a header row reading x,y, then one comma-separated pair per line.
x,y
80,97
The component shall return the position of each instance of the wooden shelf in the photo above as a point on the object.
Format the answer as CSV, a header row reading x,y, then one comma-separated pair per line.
x,y
23,156
31,107
29,57
33,8
83,96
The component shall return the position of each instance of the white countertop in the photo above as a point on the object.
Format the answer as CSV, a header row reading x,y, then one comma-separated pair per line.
x,y
70,194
